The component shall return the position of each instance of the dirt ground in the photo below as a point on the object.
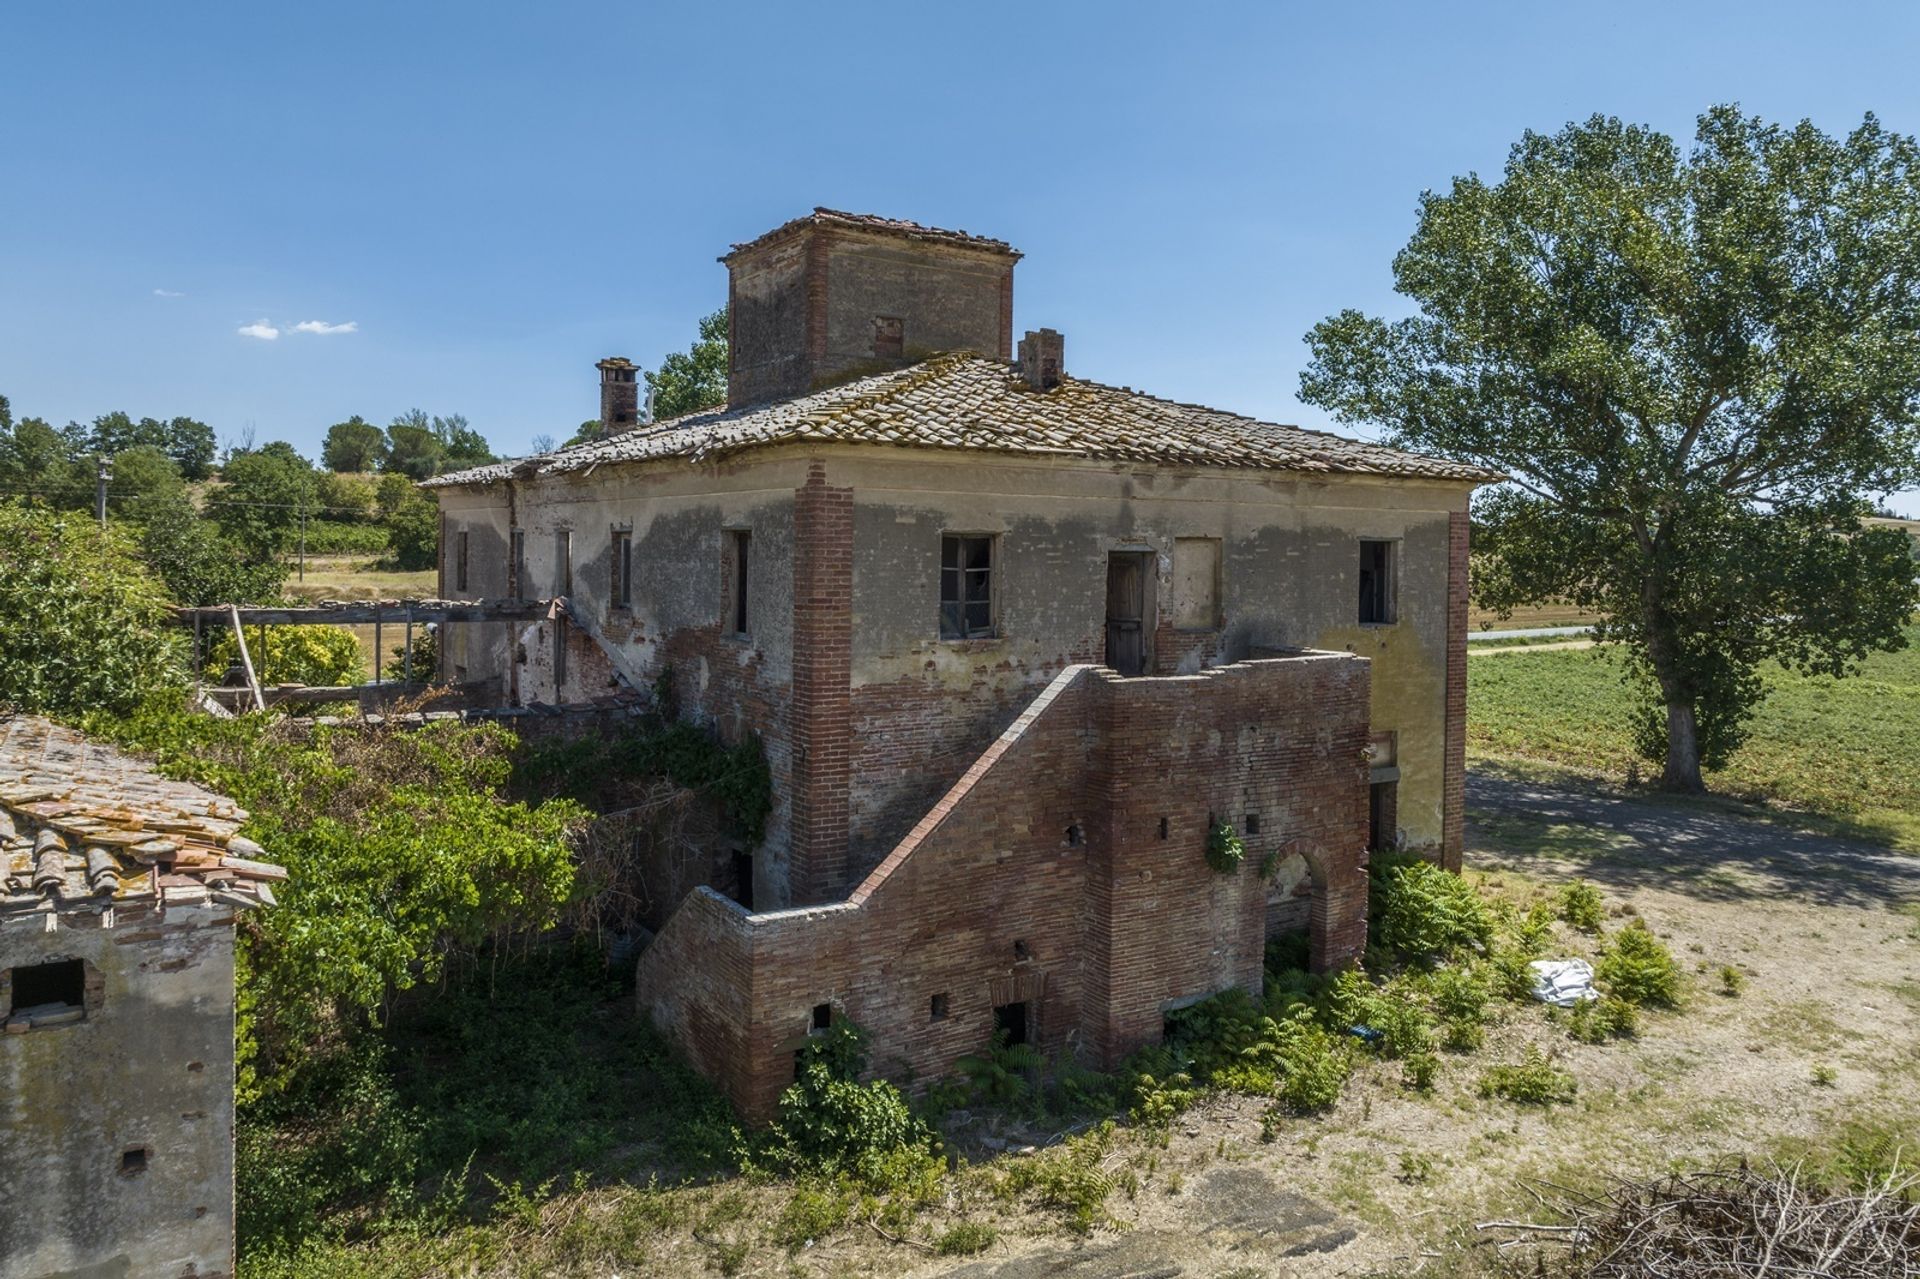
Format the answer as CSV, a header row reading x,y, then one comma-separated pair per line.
x,y
1824,1031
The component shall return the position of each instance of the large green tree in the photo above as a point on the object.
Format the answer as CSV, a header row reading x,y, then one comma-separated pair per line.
x,y
694,379
353,445
265,492
82,623
1695,367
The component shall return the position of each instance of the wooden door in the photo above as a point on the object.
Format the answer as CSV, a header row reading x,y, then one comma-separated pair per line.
x,y
1126,612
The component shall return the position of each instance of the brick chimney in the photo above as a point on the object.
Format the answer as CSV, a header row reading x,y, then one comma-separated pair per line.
x,y
1042,359
834,296
619,395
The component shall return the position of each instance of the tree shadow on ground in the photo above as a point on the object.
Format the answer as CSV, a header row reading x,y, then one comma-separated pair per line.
x,y
1701,847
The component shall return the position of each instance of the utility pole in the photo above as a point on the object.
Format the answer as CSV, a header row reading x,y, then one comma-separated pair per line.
x,y
102,472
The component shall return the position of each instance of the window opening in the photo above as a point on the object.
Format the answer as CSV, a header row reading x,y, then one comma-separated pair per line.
x,y
966,587
1010,1023
1376,583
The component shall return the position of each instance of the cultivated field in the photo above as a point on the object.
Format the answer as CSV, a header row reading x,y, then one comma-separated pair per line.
x,y
1844,752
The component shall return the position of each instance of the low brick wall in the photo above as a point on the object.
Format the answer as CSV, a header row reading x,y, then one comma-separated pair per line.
x,y
1064,872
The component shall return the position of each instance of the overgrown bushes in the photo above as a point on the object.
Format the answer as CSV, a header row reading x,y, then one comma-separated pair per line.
x,y
833,1126
81,620
1638,969
1421,911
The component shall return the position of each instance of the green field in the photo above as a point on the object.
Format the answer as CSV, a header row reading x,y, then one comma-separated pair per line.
x,y
1846,750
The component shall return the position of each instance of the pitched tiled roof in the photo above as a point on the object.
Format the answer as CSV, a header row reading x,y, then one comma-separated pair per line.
x,y
822,217
85,827
962,401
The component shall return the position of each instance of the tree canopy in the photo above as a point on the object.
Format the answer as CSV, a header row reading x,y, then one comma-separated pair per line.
x,y
694,379
81,620
265,493
353,445
1697,368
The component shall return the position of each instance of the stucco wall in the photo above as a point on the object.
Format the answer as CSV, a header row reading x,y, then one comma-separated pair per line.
x,y
151,1067
922,708
679,617
1289,566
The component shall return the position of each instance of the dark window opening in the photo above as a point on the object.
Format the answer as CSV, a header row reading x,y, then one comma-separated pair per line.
x,y
1076,836
517,564
559,657
939,1008
741,540
622,569
966,587
48,986
1010,1023
1020,951
1376,583
460,561
743,879
133,1161
563,565
1252,825
889,338
1382,817
822,1016
1166,828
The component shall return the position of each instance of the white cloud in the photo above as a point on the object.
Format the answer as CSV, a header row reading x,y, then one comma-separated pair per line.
x,y
259,329
322,327
167,293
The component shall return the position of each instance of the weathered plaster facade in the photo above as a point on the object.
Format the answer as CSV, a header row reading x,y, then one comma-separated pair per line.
x,y
1012,641
922,707
118,896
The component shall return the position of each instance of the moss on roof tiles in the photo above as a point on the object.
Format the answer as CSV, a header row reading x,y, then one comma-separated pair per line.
x,y
963,401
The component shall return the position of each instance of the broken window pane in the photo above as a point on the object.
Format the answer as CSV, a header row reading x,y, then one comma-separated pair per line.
x,y
966,587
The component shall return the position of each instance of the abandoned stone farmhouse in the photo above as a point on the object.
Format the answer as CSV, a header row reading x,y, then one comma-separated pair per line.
x,y
118,896
1015,643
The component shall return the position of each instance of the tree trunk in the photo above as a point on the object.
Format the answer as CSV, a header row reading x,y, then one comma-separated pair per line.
x,y
1683,751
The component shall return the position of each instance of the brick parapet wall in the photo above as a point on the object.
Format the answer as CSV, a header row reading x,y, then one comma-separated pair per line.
x,y
821,715
1453,818
1041,877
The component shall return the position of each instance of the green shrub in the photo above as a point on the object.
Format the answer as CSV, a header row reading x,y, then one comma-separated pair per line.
x,y
811,1214
965,1239
1582,906
339,537
1004,1073
1400,1014
1313,1064
1637,967
1225,852
1528,932
833,1126
1419,1071
1421,911
319,656
1459,993
82,622
1071,1176
1732,981
1508,974
1532,1081
1595,1021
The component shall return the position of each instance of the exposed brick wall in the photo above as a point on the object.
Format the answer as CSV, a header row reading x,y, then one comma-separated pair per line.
x,y
1042,877
1454,814
822,678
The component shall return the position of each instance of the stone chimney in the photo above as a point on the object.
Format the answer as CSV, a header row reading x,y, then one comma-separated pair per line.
x,y
1042,359
619,395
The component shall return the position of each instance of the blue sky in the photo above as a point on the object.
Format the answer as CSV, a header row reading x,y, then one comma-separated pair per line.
x,y
493,196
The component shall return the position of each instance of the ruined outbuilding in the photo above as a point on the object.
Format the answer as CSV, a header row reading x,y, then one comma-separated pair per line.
x,y
118,895
1015,642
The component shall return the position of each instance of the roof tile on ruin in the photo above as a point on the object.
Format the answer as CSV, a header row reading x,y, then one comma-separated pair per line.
x,y
964,402
85,827
874,223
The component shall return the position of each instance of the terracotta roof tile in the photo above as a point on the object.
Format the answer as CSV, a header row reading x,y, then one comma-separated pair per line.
x,y
85,827
962,401
823,217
